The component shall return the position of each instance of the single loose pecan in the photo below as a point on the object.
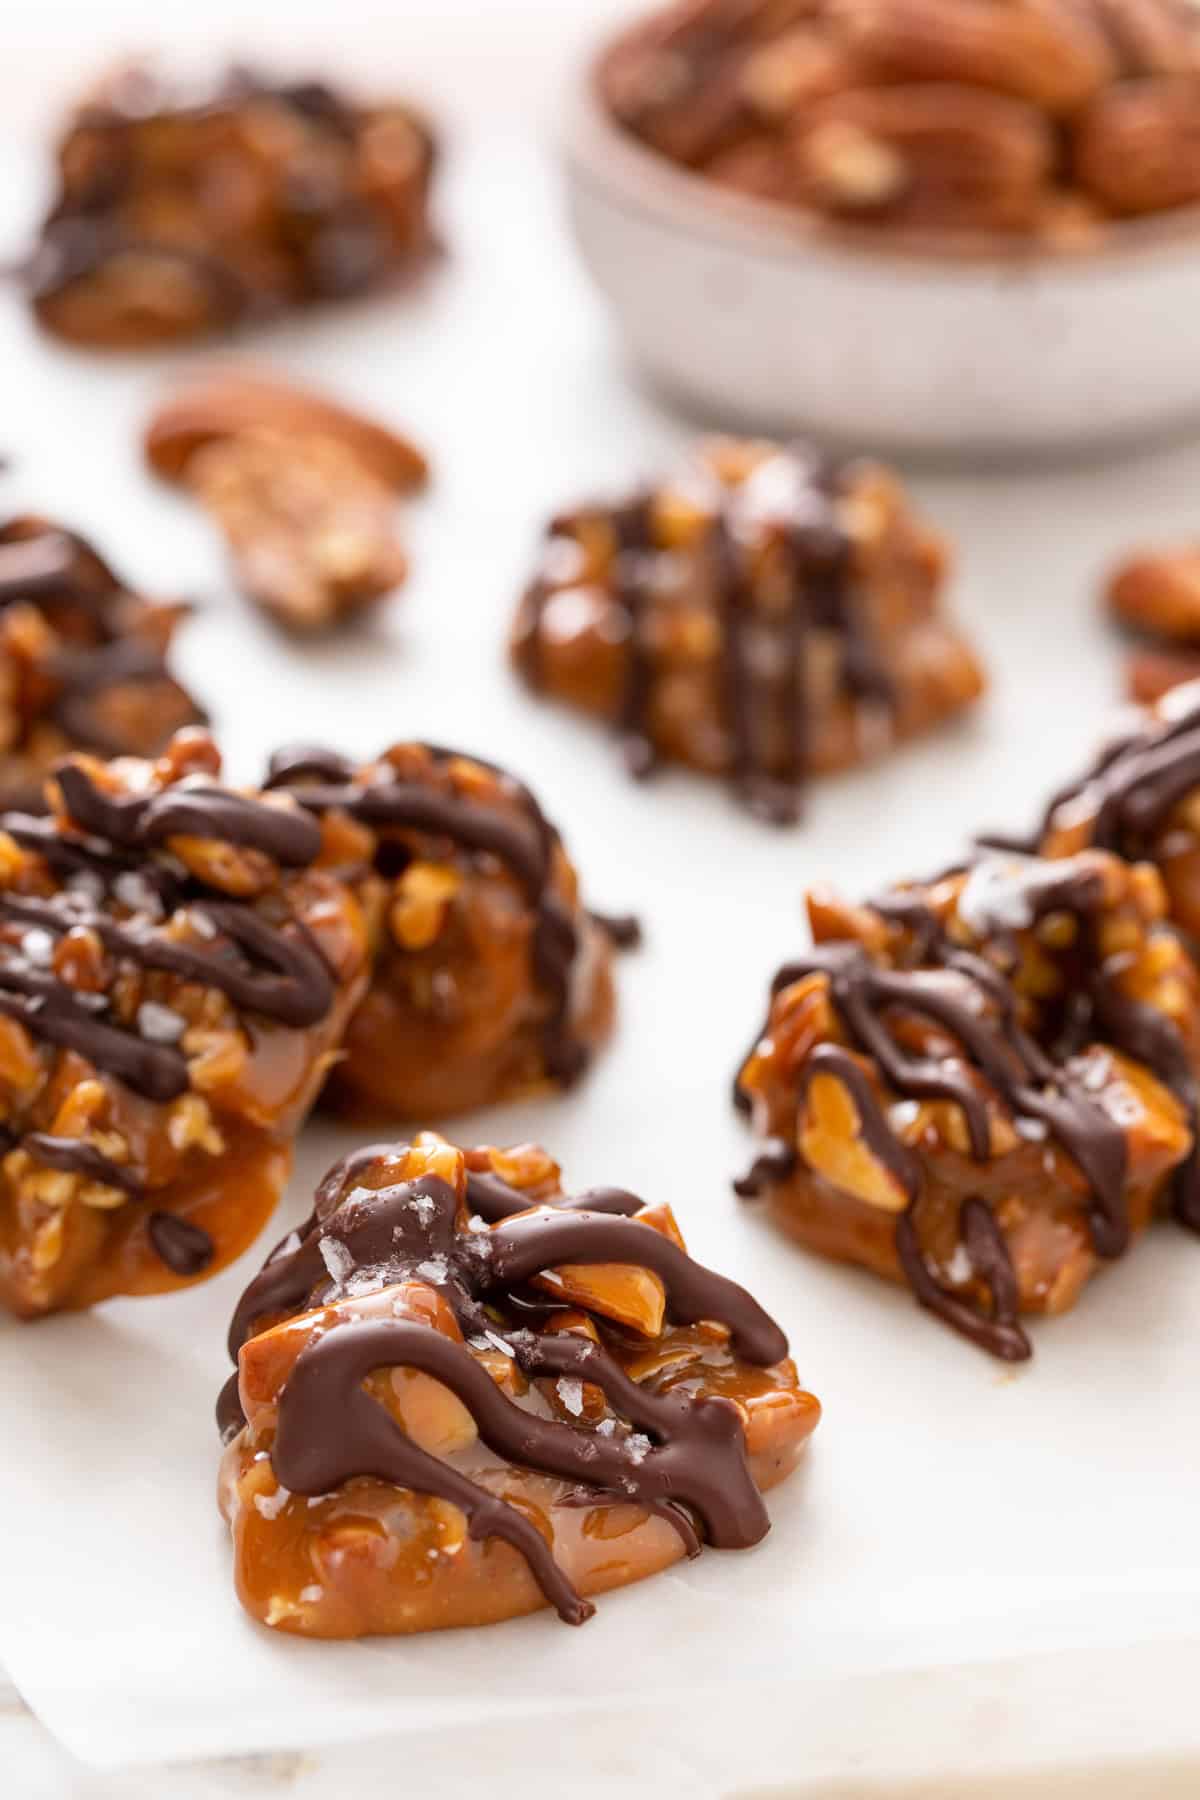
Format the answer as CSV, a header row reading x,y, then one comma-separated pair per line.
x,y
1157,592
302,488
934,154
1137,146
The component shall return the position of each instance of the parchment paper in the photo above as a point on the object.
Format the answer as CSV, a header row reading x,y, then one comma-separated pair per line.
x,y
949,1510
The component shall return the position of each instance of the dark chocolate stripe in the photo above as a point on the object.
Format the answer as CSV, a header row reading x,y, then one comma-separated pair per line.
x,y
186,1249
283,975
53,1012
79,1158
189,809
1000,1332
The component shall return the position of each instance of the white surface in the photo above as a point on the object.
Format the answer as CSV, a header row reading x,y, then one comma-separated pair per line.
x,y
950,1511
754,313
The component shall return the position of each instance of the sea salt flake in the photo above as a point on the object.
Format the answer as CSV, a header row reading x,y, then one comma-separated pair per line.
x,y
87,886
311,1594
201,924
571,1394
37,946
638,1446
992,898
1034,1131
606,1427
160,1024
271,1505
1095,1075
903,1114
138,894
959,1269
337,1259
434,1269
424,1206
498,1343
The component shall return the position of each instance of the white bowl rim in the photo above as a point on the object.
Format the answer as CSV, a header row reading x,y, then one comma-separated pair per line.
x,y
603,152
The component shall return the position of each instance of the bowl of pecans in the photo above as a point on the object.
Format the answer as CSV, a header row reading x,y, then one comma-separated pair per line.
x,y
937,225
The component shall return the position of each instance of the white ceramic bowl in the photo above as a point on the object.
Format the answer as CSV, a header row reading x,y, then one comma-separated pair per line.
x,y
760,316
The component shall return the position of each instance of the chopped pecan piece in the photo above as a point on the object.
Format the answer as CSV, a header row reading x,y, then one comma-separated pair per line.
x,y
302,488
184,212
175,975
470,1451
83,660
984,1085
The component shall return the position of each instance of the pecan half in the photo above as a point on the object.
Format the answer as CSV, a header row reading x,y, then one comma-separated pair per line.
x,y
1137,147
1158,592
1046,51
929,154
302,488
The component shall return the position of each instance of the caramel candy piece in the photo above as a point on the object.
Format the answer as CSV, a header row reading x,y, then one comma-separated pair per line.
x,y
302,488
188,211
490,979
764,615
464,1455
984,1085
945,125
175,977
83,660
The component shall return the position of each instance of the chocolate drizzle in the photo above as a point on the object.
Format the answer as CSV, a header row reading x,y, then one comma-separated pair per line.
x,y
764,696
673,1452
964,994
120,883
190,808
1130,790
186,1249
524,842
106,645
78,1158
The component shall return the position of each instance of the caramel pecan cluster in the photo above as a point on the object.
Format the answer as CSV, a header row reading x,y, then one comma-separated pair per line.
x,y
462,1395
764,614
490,979
1041,117
83,660
984,1086
302,489
183,212
175,977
